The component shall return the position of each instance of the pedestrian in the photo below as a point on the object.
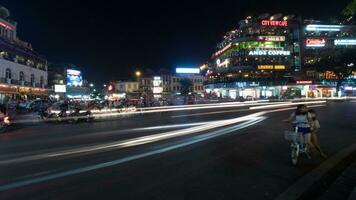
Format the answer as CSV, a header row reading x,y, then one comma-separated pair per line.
x,y
315,127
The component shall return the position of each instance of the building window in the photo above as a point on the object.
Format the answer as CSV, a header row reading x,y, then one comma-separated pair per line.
x,y
22,76
41,80
32,79
8,73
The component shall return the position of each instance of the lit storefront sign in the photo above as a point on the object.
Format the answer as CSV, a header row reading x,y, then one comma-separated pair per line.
x,y
157,88
345,42
271,67
272,38
269,53
191,70
264,67
304,82
315,42
321,27
60,88
225,63
223,50
274,23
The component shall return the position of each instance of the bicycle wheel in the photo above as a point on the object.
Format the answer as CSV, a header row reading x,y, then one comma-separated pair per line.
x,y
295,154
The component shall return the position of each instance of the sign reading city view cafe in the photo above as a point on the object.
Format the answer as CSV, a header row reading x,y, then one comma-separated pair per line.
x,y
274,23
269,53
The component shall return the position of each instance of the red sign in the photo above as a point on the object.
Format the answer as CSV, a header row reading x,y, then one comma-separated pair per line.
x,y
304,82
315,42
274,23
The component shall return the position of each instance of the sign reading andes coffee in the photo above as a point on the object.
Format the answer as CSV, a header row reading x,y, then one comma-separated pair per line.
x,y
274,23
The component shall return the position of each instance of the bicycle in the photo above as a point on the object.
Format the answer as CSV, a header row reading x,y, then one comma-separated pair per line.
x,y
298,145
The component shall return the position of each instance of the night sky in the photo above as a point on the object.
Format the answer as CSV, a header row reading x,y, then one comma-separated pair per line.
x,y
110,39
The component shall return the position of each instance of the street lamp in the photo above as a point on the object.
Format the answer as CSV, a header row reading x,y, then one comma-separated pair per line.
x,y
138,74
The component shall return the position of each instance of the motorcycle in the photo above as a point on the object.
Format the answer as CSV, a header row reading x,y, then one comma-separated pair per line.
x,y
4,123
79,115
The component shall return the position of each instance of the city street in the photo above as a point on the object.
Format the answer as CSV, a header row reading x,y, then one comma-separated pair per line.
x,y
233,151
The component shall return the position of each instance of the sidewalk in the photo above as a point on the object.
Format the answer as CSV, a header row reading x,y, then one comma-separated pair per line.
x,y
344,187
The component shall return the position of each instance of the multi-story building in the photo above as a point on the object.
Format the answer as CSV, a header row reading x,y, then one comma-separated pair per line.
x,y
23,72
127,86
267,52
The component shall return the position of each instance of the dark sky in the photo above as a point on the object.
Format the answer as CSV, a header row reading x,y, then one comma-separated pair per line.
x,y
109,39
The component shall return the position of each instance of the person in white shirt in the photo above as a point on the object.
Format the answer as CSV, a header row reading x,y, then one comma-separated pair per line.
x,y
315,127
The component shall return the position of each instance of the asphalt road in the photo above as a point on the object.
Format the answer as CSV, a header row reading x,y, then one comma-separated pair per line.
x,y
210,153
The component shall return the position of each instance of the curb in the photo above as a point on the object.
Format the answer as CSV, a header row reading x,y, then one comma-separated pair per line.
x,y
309,180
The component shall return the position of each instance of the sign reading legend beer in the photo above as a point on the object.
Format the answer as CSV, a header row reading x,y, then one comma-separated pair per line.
x,y
274,23
271,67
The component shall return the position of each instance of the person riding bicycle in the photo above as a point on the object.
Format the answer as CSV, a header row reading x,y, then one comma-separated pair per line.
x,y
302,120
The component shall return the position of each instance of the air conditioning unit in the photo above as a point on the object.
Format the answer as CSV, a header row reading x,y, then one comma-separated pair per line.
x,y
8,80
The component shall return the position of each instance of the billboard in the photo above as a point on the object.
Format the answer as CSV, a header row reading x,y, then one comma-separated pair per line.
x,y
60,88
190,70
74,78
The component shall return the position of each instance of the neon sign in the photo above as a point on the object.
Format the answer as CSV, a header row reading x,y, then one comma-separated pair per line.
x,y
274,23
321,27
269,53
6,26
304,82
271,67
272,38
315,42
351,42
223,50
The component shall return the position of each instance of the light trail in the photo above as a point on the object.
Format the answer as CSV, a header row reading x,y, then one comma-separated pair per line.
x,y
285,105
111,114
135,141
194,140
209,113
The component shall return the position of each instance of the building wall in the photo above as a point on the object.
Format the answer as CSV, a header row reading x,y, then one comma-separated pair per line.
x,y
16,68
127,87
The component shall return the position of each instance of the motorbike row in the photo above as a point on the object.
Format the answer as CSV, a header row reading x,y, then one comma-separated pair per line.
x,y
64,115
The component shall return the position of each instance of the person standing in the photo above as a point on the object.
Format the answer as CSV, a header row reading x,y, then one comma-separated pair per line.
x,y
315,127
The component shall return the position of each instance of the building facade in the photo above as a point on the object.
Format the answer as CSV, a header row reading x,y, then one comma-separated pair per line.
x,y
23,72
267,52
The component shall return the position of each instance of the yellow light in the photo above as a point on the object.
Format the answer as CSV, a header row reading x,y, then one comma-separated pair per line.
x,y
265,67
138,73
279,67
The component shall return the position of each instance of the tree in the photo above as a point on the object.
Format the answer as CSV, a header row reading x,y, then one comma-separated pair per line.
x,y
186,85
350,9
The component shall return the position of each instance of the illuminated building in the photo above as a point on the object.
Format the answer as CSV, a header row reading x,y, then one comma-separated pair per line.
x,y
23,72
267,52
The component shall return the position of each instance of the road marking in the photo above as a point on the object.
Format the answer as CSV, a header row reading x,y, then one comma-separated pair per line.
x,y
196,139
209,113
